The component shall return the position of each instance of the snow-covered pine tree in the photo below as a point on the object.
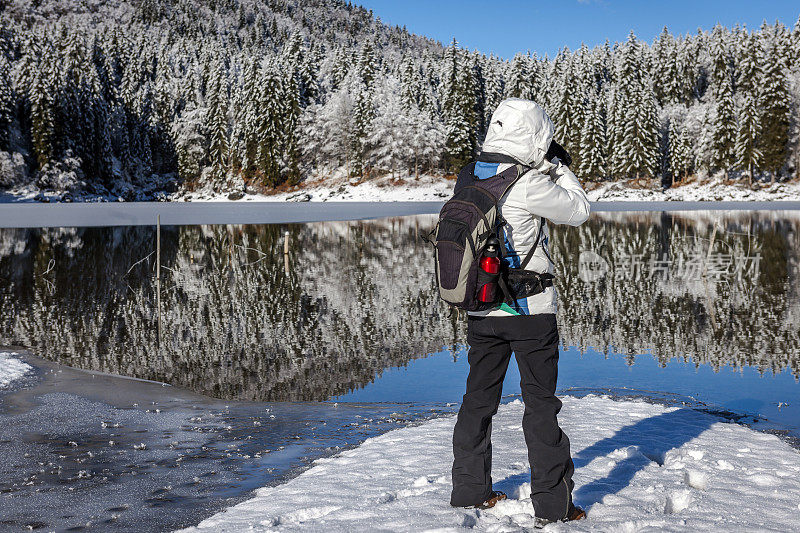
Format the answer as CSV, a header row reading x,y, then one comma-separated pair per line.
x,y
218,123
521,77
723,153
457,109
562,104
6,103
495,88
362,118
367,64
724,119
592,157
748,133
427,140
687,69
644,163
390,131
637,142
681,153
268,123
748,65
774,102
664,68
476,76
247,117
42,119
291,151
340,67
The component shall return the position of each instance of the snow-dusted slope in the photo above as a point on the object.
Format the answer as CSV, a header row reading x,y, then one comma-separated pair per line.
x,y
639,467
11,369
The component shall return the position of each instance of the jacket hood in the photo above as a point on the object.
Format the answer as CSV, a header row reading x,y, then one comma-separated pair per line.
x,y
521,129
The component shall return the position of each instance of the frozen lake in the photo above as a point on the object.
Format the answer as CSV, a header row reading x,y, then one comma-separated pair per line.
x,y
95,214
693,307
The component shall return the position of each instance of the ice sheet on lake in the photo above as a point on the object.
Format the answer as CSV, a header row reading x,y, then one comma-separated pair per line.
x,y
639,467
11,369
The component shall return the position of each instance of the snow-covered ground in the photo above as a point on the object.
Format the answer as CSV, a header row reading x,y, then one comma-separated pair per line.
x,y
714,190
434,188
11,369
639,467
430,188
385,189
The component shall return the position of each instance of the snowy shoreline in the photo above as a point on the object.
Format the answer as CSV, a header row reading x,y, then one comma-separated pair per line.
x,y
431,189
11,369
638,466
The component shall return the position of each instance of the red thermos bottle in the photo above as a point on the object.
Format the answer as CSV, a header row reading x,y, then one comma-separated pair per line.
x,y
490,263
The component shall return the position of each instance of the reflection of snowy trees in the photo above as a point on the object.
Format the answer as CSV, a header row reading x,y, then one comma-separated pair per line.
x,y
237,325
710,319
358,297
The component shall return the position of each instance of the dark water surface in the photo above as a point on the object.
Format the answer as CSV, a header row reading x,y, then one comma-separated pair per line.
x,y
693,307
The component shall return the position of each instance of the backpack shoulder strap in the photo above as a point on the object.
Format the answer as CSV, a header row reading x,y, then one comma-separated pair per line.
x,y
535,245
465,177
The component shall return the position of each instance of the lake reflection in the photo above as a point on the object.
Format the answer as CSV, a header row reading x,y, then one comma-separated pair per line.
x,y
242,321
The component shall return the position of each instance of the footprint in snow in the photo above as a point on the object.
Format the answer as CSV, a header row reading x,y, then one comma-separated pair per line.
x,y
301,515
695,479
678,501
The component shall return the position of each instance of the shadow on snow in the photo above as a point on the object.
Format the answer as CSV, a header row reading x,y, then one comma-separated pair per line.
x,y
646,441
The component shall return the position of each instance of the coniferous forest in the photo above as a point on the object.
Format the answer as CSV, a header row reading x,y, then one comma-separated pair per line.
x,y
135,98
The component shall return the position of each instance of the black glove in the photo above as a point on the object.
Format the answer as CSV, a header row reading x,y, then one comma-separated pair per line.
x,y
556,150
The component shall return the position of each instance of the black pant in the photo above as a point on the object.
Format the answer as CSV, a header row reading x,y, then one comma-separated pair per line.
x,y
534,341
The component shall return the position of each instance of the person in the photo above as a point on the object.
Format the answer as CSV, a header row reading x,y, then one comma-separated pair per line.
x,y
520,132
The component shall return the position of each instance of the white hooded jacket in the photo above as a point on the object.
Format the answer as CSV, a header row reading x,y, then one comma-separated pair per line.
x,y
521,129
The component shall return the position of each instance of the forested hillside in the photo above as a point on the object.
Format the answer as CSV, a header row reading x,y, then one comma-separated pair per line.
x,y
141,97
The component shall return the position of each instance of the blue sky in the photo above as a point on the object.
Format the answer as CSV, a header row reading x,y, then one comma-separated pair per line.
x,y
507,26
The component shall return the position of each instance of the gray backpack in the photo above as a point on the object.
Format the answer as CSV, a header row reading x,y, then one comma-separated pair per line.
x,y
466,223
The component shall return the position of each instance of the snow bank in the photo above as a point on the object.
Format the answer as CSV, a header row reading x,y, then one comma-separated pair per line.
x,y
430,188
11,369
701,191
434,189
638,467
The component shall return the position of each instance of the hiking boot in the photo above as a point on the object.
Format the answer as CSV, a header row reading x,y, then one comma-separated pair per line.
x,y
575,513
491,501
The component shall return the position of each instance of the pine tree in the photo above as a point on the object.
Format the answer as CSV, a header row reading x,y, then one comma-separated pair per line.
x,y
560,103
291,152
249,114
478,89
495,88
748,155
592,157
390,135
774,101
680,152
665,68
748,68
367,64
340,67
521,80
410,84
642,133
456,112
218,121
42,119
636,128
362,119
686,67
724,131
6,103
